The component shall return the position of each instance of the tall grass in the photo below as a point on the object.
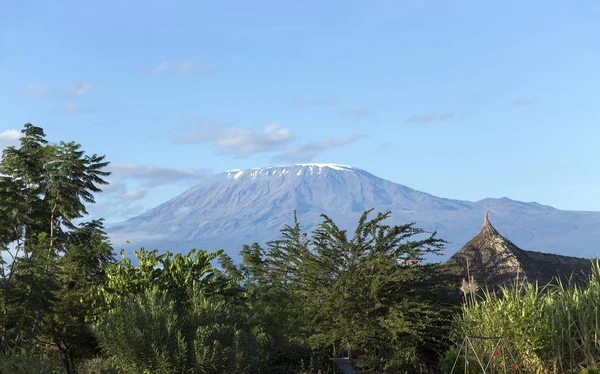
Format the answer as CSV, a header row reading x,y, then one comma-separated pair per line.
x,y
516,314
550,329
573,316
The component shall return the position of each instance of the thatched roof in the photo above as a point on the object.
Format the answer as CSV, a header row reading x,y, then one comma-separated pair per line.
x,y
494,260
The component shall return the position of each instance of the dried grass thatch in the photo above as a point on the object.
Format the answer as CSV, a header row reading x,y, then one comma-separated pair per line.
x,y
494,260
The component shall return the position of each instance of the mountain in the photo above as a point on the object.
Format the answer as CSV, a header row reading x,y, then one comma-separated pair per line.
x,y
243,206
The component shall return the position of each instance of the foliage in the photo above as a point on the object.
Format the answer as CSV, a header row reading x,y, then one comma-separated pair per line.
x,y
369,363
277,312
146,332
549,329
177,274
589,371
573,315
30,362
367,292
66,305
97,365
175,314
143,333
80,272
310,369
517,315
43,189
455,361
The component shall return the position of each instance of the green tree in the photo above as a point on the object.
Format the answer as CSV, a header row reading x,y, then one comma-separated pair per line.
x,y
46,186
68,324
370,292
73,177
43,188
277,311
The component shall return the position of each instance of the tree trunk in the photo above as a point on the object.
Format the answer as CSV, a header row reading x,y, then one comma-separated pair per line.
x,y
68,361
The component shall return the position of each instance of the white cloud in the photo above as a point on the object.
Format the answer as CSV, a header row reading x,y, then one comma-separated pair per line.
x,y
151,176
244,142
9,138
118,201
133,195
307,152
113,187
201,133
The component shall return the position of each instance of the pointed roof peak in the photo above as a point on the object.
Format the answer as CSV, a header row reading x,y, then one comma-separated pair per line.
x,y
487,226
486,219
494,259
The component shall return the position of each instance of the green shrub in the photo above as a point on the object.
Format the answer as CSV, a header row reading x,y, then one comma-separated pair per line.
x,y
147,333
97,365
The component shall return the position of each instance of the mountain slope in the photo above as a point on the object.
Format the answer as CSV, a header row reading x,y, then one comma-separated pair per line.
x,y
242,206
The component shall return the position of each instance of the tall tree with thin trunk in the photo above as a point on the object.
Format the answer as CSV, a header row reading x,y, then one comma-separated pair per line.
x,y
43,188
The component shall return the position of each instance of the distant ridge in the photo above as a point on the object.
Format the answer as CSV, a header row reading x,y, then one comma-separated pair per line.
x,y
240,207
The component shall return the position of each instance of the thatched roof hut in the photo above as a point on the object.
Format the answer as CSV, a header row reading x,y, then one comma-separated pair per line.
x,y
493,260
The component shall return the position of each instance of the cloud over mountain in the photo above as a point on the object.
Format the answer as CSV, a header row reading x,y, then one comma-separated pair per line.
x,y
245,142
308,151
151,176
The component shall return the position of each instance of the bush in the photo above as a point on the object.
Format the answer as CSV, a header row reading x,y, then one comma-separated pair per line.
x,y
97,365
147,333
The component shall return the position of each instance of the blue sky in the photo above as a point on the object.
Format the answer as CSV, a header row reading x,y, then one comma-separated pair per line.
x,y
461,99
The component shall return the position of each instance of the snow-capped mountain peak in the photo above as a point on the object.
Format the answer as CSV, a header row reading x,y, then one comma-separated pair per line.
x,y
298,169
240,207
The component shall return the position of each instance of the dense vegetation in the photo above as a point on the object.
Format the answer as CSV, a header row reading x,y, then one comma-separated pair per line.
x,y
68,305
551,329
